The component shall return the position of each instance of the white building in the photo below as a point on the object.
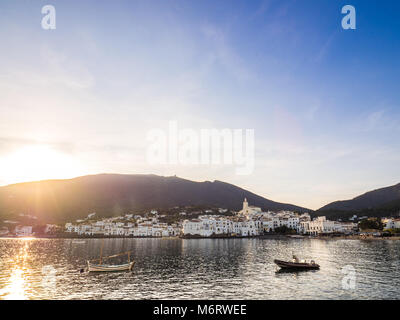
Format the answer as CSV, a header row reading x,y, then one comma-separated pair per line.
x,y
317,226
322,225
50,228
346,227
391,223
206,226
23,231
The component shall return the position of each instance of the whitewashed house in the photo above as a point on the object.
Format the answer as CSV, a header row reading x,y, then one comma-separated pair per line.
x,y
392,223
322,225
23,231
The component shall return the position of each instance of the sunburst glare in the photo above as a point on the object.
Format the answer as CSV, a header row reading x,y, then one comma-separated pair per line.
x,y
39,162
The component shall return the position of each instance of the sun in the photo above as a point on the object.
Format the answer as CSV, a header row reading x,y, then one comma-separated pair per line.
x,y
38,162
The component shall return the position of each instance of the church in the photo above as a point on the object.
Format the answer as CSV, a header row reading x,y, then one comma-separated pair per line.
x,y
249,210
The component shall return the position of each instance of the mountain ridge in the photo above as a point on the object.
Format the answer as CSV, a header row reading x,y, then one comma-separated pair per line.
x,y
379,202
368,200
108,194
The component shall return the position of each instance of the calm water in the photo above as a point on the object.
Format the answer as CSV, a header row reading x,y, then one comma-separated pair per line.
x,y
198,269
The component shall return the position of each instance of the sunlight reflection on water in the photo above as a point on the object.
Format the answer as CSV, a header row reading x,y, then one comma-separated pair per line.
x,y
197,269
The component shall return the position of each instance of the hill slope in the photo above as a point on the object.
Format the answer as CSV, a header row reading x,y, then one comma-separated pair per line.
x,y
377,203
370,200
114,194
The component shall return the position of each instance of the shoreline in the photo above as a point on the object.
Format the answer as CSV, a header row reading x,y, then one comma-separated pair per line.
x,y
261,237
356,237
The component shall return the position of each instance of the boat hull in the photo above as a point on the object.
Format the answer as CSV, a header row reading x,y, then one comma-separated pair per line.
x,y
110,268
296,265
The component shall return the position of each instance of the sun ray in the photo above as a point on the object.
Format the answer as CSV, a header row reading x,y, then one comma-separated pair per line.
x,y
39,162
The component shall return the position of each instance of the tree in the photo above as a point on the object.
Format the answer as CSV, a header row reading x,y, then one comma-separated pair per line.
x,y
285,230
371,223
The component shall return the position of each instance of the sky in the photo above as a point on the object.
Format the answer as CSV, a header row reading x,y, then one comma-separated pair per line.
x,y
324,102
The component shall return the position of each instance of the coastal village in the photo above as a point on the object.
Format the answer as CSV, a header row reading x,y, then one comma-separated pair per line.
x,y
250,221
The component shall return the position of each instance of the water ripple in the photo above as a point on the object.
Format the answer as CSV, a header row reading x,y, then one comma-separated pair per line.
x,y
198,269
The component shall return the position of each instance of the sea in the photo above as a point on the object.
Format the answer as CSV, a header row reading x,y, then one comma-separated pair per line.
x,y
199,269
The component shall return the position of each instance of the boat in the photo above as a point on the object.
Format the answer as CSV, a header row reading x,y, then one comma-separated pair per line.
x,y
296,264
78,241
101,267
296,236
110,268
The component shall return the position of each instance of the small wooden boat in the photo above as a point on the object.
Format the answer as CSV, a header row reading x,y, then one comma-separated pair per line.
x,y
100,267
295,264
109,268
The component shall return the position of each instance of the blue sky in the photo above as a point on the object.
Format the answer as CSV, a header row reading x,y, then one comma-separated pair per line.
x,y
323,101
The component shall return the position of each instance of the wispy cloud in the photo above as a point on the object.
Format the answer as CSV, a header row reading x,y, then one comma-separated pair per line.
x,y
377,121
225,55
324,50
264,6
